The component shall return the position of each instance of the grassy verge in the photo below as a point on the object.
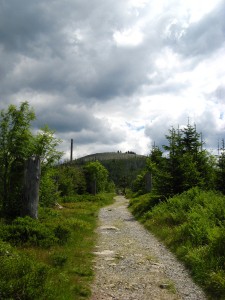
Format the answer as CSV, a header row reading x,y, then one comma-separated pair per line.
x,y
192,225
51,258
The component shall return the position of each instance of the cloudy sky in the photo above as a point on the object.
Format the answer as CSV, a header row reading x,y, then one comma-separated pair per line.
x,y
115,74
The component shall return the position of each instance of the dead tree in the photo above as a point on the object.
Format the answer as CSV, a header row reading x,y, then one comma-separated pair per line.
x,y
31,187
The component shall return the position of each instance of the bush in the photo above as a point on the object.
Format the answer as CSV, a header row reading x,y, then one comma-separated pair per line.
x,y
27,231
58,259
62,233
49,194
32,276
71,180
144,204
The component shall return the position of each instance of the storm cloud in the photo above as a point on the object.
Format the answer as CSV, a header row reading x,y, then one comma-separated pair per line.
x,y
115,75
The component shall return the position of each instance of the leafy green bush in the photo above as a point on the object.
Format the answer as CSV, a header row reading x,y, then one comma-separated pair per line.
x,y
27,231
21,277
30,232
71,180
62,233
58,259
49,194
143,204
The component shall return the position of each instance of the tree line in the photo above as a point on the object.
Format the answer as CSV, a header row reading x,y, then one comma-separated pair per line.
x,y
19,144
181,164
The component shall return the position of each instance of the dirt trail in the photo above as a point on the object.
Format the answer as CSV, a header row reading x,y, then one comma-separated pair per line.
x,y
131,264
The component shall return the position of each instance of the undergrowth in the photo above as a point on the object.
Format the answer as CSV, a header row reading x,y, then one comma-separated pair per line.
x,y
192,225
51,258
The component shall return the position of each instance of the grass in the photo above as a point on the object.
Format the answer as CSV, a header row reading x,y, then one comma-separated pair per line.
x,y
192,225
61,267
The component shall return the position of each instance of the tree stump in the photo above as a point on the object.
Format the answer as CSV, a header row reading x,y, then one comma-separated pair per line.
x,y
31,187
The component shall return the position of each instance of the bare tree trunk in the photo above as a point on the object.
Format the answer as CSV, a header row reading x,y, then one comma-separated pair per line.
x,y
31,187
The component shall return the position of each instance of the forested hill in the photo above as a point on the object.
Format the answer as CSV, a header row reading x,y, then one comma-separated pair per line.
x,y
123,168
110,156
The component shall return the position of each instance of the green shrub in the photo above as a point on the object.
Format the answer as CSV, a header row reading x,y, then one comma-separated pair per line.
x,y
62,233
49,194
30,232
27,231
21,277
58,259
216,284
143,204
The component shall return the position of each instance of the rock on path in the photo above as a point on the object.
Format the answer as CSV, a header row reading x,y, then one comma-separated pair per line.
x,y
131,264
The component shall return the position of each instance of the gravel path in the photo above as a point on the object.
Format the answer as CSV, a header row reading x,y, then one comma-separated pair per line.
x,y
131,264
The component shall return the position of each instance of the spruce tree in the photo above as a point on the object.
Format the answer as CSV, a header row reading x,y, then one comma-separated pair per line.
x,y
185,164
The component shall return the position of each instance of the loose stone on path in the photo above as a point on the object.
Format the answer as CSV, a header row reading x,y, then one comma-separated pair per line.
x,y
130,264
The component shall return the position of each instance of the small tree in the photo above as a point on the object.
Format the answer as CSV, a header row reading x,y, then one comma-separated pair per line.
x,y
184,164
49,193
97,177
71,180
17,145
45,146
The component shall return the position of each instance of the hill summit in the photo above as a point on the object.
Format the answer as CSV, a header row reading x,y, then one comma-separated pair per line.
x,y
123,168
110,156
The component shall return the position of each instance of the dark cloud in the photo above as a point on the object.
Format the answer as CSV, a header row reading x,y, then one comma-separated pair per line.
x,y
64,119
57,45
122,74
79,123
22,24
63,57
200,38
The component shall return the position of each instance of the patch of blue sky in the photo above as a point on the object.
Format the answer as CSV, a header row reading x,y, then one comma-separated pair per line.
x,y
135,128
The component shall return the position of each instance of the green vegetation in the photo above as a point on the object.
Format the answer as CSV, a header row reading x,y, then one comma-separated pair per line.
x,y
17,145
186,207
97,176
185,165
122,167
123,171
51,258
192,224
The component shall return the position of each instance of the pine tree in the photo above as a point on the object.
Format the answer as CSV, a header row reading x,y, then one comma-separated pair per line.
x,y
186,164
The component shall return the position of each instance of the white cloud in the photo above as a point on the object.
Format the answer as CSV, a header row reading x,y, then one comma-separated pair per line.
x,y
115,75
198,9
128,37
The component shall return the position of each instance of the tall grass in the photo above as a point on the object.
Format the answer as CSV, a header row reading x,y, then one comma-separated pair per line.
x,y
51,258
193,226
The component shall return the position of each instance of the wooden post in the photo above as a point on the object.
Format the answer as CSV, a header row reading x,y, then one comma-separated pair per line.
x,y
71,151
31,187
